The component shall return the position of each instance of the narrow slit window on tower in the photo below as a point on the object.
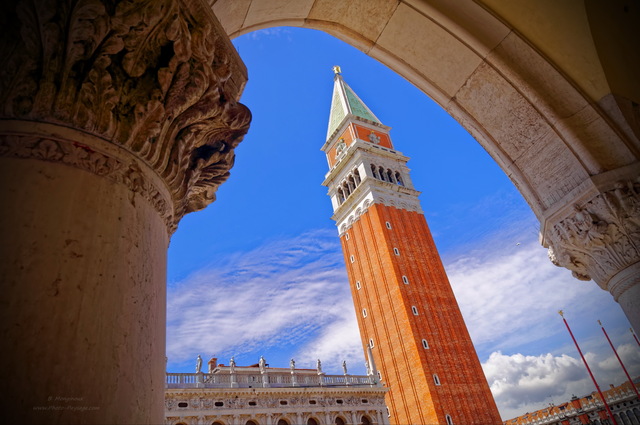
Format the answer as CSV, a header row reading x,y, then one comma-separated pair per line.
x,y
352,258
405,280
425,344
358,285
388,413
346,236
388,225
371,342
396,251
364,312
449,420
379,376
414,310
436,379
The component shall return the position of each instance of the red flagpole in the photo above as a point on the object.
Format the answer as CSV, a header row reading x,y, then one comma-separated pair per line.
x,y
604,400
619,360
634,335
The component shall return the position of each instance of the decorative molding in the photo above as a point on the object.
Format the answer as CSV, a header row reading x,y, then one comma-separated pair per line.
x,y
85,158
600,237
159,78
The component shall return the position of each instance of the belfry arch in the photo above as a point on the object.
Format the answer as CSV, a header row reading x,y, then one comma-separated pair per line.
x,y
118,119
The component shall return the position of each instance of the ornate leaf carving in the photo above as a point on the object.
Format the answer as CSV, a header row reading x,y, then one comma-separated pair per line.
x,y
151,76
600,238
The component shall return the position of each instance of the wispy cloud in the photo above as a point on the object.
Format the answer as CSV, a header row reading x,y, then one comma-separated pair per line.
x,y
510,295
286,292
275,32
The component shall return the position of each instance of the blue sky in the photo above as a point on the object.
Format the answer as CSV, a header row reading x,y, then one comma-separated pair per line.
x,y
260,271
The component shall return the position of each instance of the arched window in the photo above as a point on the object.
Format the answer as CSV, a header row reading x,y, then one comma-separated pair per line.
x,y
219,423
381,172
340,421
625,418
374,172
389,176
351,182
251,422
346,189
399,179
312,421
356,176
365,420
282,422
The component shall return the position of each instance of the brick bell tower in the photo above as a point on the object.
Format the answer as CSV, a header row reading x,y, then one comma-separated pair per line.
x,y
406,309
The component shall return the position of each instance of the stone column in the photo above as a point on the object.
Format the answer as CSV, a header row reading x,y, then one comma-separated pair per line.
x,y
116,119
596,235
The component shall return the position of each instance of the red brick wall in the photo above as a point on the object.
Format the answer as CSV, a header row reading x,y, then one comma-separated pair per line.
x,y
407,367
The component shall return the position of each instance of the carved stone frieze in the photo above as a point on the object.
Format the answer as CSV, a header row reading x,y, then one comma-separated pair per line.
x,y
599,238
158,78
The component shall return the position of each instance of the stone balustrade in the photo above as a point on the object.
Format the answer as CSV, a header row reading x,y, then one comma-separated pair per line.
x,y
272,379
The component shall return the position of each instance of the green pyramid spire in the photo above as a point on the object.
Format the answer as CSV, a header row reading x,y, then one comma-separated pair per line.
x,y
346,102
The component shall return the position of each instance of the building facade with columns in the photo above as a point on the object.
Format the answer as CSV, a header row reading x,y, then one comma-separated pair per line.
x,y
263,395
407,312
117,118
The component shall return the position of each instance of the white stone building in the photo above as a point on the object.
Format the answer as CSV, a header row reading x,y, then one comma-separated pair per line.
x,y
261,395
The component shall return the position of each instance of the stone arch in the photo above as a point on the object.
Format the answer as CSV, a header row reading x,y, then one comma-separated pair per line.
x,y
340,420
549,118
563,126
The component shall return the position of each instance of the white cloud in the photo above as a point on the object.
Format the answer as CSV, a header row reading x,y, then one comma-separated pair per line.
x,y
284,292
510,295
338,341
524,383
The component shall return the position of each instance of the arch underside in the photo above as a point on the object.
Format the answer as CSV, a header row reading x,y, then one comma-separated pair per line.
x,y
551,134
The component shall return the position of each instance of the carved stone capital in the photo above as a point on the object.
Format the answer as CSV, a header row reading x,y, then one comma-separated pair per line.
x,y
598,237
158,78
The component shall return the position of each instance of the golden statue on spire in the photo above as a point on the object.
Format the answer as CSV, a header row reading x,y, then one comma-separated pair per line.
x,y
336,69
